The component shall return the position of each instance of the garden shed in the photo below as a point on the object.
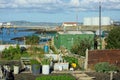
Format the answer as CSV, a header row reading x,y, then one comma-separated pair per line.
x,y
67,39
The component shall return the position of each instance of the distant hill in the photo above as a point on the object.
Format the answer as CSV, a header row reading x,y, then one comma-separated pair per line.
x,y
27,23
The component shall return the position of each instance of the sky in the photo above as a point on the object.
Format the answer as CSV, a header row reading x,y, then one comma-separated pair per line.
x,y
57,10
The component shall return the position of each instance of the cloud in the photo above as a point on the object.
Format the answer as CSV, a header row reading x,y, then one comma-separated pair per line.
x,y
60,5
106,4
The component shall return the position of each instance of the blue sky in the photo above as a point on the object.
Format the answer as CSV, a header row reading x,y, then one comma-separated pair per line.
x,y
56,10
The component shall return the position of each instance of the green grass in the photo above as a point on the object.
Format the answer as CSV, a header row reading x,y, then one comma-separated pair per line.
x,y
56,77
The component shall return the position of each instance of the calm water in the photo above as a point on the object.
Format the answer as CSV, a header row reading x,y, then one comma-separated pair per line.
x,y
7,34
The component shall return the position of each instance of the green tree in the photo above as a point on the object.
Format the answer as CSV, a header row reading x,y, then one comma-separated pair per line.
x,y
32,40
80,46
113,39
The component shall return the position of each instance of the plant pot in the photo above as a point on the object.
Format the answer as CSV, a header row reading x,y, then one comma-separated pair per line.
x,y
16,69
35,69
45,69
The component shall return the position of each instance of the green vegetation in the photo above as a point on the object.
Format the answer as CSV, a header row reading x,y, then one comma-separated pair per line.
x,y
33,61
71,59
113,39
36,50
45,61
80,46
105,67
56,77
53,49
13,53
32,40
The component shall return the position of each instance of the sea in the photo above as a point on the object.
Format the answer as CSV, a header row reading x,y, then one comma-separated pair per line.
x,y
7,34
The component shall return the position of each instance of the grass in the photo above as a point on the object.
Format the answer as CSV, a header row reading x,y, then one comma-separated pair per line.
x,y
56,77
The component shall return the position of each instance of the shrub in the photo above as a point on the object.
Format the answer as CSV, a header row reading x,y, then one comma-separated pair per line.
x,y
80,46
56,77
45,61
113,39
71,60
33,61
105,67
12,53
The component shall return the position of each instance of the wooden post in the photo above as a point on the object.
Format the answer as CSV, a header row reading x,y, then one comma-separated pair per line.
x,y
111,75
86,60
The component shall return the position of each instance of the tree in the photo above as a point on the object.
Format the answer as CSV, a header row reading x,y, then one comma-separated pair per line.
x,y
80,46
113,39
32,40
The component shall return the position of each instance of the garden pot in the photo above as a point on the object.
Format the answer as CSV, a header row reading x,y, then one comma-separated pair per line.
x,y
36,69
16,69
45,69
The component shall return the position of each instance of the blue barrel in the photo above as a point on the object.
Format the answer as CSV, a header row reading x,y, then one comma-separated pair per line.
x,y
46,49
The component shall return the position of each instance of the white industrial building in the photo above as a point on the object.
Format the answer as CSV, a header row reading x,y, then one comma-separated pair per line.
x,y
94,21
68,24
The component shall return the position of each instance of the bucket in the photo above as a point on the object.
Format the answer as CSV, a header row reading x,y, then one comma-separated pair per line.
x,y
45,69
16,69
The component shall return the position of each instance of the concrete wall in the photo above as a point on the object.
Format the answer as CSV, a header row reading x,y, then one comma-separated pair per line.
x,y
2,47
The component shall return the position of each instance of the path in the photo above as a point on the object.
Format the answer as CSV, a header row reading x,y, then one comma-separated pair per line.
x,y
80,75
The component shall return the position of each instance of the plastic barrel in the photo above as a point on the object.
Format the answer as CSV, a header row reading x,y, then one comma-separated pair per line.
x,y
46,49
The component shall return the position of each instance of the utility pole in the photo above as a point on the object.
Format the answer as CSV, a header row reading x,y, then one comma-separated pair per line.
x,y
77,19
100,24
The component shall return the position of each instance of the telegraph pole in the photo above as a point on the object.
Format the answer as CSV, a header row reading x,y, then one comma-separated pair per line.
x,y
100,24
77,18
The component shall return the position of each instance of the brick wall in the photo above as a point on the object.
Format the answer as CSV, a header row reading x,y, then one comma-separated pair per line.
x,y
111,56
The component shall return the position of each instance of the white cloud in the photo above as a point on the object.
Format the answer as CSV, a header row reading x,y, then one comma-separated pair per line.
x,y
75,3
60,5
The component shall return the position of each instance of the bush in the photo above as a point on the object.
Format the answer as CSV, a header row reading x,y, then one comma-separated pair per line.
x,y
12,53
113,39
56,77
33,61
71,60
105,67
80,46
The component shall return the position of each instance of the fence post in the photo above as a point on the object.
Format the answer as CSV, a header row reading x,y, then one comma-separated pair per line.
x,y
86,60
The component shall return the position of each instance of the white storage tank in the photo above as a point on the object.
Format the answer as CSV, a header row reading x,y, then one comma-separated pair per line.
x,y
106,21
94,21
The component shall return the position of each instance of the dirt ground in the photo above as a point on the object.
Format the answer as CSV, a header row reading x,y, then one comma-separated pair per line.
x,y
29,76
98,76
104,76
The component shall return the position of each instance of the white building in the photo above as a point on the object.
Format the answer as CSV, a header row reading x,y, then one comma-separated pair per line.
x,y
65,24
94,21
1,24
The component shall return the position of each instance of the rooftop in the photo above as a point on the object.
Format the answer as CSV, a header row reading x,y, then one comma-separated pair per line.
x,y
76,32
70,22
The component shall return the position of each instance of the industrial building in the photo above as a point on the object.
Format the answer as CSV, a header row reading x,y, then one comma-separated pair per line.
x,y
69,26
67,39
94,21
